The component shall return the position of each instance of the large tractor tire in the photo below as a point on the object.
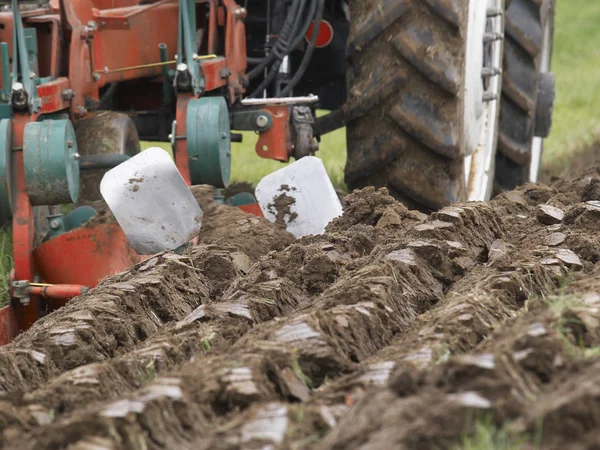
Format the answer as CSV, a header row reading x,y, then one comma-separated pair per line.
x,y
527,92
103,133
423,98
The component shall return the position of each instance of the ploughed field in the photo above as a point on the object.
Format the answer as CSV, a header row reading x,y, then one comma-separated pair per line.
x,y
395,329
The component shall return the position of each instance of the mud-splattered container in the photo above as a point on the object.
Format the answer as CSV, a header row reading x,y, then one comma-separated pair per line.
x,y
299,197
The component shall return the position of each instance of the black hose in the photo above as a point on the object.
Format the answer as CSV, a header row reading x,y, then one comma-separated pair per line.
x,y
304,29
308,53
282,42
267,81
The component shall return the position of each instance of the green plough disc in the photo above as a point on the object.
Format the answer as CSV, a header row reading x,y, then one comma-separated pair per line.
x,y
209,141
51,165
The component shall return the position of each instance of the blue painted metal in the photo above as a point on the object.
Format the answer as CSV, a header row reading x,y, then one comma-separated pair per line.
x,y
186,51
167,87
21,60
5,55
208,136
51,165
5,167
241,199
59,224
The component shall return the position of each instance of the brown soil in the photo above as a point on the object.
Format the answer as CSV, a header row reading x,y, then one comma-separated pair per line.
x,y
394,329
222,224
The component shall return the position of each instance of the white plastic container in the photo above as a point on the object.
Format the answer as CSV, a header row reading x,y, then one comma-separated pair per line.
x,y
300,197
150,200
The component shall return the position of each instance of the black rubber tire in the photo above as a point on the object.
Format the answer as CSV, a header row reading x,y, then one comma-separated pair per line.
x,y
524,34
104,132
405,108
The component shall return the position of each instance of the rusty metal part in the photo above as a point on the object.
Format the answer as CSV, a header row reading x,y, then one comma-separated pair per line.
x,y
302,132
276,142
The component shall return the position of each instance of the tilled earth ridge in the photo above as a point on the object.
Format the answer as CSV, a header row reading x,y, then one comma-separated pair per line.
x,y
222,224
301,349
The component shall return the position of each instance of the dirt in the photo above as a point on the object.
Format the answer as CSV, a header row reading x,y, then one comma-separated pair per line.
x,y
394,329
281,207
221,224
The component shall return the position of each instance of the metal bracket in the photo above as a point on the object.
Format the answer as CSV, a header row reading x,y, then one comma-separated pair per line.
x,y
249,119
20,290
302,132
187,59
22,64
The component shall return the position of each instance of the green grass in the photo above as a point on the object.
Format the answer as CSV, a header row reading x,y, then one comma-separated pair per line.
x,y
486,435
6,262
576,63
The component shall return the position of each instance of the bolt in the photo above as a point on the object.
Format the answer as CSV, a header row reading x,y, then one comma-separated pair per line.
x,y
76,156
54,224
68,94
225,72
80,111
262,121
223,135
96,76
69,144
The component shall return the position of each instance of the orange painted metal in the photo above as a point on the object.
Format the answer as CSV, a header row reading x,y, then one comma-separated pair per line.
x,y
84,256
62,292
180,151
275,143
23,227
9,325
252,208
51,94
214,69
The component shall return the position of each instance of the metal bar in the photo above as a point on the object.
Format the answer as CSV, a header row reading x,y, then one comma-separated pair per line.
x,y
157,64
280,101
91,162
23,57
58,291
5,71
167,88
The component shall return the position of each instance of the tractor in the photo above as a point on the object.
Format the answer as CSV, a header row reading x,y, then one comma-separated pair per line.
x,y
442,100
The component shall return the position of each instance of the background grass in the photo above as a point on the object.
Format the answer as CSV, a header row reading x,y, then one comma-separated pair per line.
x,y
576,63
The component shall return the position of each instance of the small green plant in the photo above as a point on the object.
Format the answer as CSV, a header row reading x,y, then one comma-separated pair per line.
x,y
6,262
593,352
488,436
298,371
149,372
442,353
207,342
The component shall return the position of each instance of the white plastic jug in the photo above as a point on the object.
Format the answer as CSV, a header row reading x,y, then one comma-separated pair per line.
x,y
151,202
300,197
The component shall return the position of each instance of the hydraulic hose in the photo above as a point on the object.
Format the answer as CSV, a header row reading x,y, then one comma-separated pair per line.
x,y
282,42
308,53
